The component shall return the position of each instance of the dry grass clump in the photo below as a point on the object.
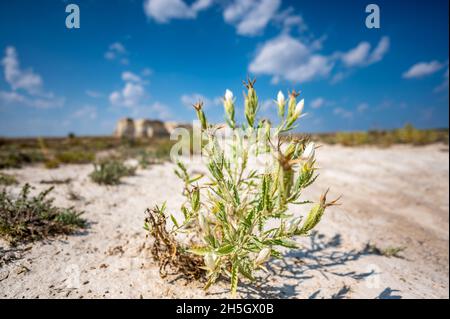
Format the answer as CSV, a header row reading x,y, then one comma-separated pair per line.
x,y
25,219
110,172
167,251
6,179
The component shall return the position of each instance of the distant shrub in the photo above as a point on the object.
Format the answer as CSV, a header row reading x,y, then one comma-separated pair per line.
x,y
51,164
6,179
25,218
15,158
75,157
110,172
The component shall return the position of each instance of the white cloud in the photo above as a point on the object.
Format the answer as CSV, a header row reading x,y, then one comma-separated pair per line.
x,y
14,97
162,11
444,85
317,103
86,112
130,96
17,78
128,76
250,17
361,55
343,113
362,107
117,51
381,49
146,72
422,69
26,86
190,99
132,93
157,110
94,94
285,57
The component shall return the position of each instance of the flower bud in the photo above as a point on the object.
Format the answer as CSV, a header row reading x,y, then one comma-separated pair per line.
x,y
281,102
309,152
299,109
201,115
263,256
210,261
228,103
293,224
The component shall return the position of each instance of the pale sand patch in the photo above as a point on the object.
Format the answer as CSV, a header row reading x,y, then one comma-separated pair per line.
x,y
391,197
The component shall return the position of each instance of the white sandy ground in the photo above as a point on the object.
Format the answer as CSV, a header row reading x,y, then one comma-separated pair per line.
x,y
391,197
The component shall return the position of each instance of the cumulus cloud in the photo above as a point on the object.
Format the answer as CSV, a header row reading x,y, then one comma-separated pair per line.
x,y
285,57
250,17
162,11
132,93
422,69
18,78
117,52
361,55
26,85
128,76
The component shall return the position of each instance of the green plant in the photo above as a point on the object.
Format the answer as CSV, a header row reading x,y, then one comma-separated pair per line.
x,y
240,217
75,157
110,172
6,179
51,164
26,218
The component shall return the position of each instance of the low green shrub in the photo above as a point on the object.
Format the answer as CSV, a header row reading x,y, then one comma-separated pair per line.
x,y
25,219
75,157
109,172
6,179
241,216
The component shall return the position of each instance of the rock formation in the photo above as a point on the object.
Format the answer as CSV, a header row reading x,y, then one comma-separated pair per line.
x,y
140,128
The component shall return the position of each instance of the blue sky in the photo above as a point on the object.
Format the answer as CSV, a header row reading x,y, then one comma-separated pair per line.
x,y
153,58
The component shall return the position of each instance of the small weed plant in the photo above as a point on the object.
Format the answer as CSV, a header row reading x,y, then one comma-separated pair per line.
x,y
110,172
241,215
25,219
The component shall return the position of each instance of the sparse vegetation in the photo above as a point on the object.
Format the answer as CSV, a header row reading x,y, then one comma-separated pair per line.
x,y
405,135
228,218
25,219
109,172
390,251
75,157
52,152
6,179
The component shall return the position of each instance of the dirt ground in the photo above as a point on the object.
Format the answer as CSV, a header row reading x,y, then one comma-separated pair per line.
x,y
393,197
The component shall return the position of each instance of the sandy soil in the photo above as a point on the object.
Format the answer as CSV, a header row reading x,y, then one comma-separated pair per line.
x,y
391,197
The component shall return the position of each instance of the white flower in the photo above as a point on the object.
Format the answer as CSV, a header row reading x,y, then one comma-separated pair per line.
x,y
299,108
310,151
210,261
263,256
202,221
228,96
293,224
280,98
